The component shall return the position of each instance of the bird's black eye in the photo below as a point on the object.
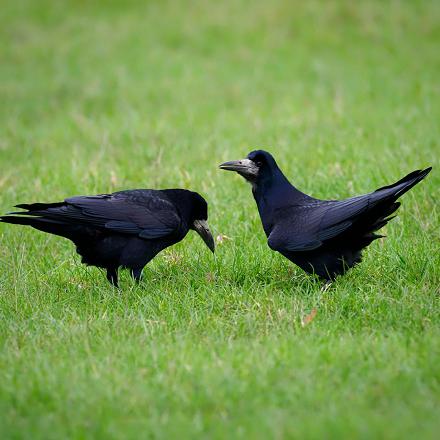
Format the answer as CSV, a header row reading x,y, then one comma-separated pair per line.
x,y
259,163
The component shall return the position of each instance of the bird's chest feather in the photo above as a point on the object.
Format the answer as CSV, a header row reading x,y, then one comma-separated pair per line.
x,y
273,215
275,204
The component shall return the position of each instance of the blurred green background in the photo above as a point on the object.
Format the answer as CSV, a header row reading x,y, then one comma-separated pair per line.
x,y
102,96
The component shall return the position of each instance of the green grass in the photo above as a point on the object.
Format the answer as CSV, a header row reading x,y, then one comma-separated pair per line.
x,y
96,98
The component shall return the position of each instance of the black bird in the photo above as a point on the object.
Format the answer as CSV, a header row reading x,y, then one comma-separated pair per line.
x,y
325,237
123,229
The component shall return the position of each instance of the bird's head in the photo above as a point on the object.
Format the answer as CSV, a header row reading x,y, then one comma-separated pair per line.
x,y
258,165
199,219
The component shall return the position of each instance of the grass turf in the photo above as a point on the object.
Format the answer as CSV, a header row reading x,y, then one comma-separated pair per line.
x,y
99,97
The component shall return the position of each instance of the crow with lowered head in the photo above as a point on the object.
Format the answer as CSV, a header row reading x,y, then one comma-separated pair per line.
x,y
124,229
325,237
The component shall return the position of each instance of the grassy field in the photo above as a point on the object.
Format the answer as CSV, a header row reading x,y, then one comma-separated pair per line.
x,y
99,97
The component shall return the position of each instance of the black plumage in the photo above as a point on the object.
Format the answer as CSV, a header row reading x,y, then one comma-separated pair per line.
x,y
123,229
325,237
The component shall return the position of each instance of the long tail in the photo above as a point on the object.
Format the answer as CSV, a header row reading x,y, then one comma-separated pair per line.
x,y
42,224
403,185
384,202
39,218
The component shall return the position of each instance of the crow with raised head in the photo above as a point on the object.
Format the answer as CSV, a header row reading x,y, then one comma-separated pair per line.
x,y
325,237
124,229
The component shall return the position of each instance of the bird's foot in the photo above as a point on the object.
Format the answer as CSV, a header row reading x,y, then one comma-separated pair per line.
x,y
136,274
326,285
112,277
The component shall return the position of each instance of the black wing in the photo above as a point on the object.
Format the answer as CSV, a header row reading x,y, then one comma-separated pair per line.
x,y
146,213
308,226
317,223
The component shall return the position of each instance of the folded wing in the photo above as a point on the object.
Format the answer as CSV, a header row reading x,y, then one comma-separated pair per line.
x,y
320,222
308,227
145,213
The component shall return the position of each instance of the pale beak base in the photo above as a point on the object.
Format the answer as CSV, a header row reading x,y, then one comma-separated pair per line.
x,y
244,167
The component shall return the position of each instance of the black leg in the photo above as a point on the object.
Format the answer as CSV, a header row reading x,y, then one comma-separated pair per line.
x,y
112,276
326,285
136,274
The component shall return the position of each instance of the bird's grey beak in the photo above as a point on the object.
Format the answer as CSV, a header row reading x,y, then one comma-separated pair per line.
x,y
202,228
245,167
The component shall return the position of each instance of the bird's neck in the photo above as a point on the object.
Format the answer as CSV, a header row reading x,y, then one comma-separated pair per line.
x,y
273,188
274,192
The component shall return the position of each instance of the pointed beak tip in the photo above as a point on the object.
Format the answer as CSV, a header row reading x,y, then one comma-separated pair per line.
x,y
211,246
210,243
202,228
232,165
245,167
